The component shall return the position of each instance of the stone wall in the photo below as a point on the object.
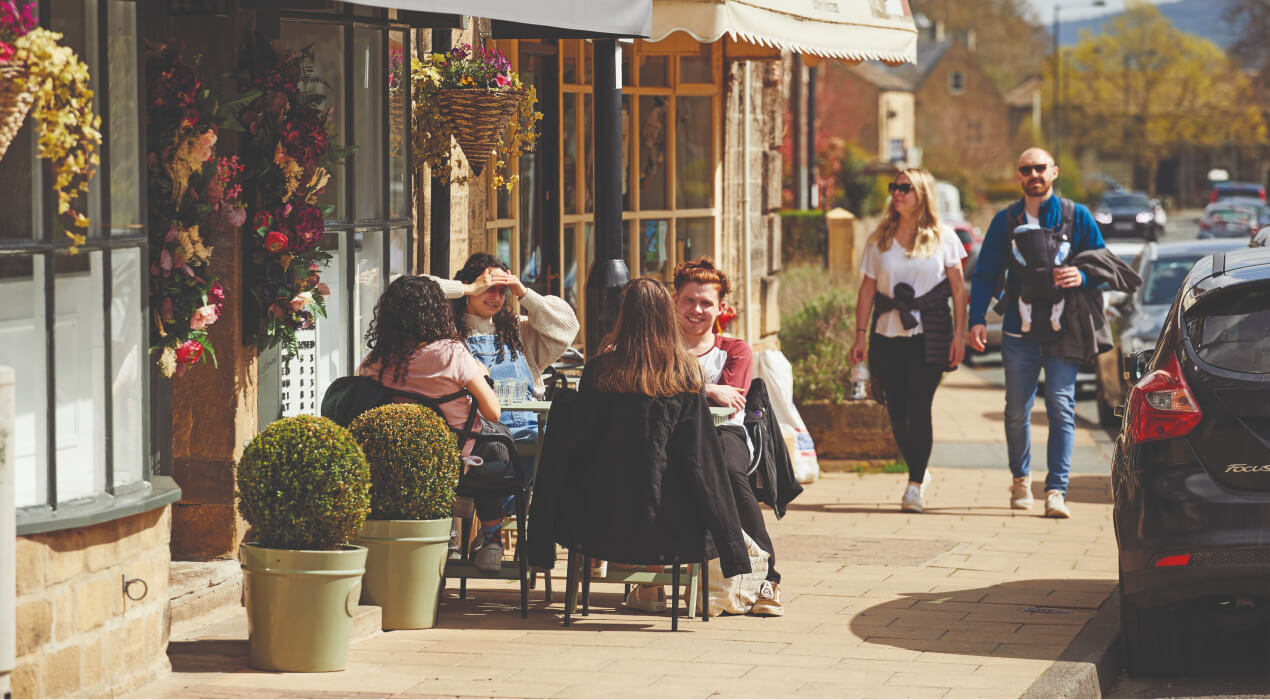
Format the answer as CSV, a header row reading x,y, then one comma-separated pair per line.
x,y
78,635
966,131
752,178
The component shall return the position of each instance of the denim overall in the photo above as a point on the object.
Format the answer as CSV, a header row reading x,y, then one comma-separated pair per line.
x,y
522,424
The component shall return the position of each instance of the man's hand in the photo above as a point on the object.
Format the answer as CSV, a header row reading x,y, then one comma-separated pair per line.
x,y
979,337
1067,276
725,395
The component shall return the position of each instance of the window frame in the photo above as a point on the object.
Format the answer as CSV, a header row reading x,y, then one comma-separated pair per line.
x,y
152,490
580,225
957,82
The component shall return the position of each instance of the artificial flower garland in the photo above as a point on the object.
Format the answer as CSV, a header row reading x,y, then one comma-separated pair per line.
x,y
194,195
287,161
465,68
69,130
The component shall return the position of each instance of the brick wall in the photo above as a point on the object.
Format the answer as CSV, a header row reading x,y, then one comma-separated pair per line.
x,y
78,635
968,130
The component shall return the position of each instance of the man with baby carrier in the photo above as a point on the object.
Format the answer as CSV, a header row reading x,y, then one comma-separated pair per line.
x,y
1044,264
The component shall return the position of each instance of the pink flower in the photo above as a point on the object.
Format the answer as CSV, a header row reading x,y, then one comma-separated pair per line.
x,y
276,241
323,289
165,262
203,317
189,352
235,216
301,300
216,294
502,80
6,52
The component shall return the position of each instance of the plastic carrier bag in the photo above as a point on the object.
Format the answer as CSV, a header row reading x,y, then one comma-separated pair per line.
x,y
773,367
737,595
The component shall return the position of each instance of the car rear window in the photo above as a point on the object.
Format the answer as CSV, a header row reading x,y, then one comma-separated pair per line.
x,y
1238,192
1126,200
1164,278
1230,332
1230,215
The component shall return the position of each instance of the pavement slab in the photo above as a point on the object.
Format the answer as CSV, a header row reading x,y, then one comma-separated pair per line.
x,y
970,599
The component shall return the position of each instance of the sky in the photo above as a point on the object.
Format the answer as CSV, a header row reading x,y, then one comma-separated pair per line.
x,y
1075,9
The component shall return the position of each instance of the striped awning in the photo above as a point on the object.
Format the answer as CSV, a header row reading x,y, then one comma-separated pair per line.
x,y
849,30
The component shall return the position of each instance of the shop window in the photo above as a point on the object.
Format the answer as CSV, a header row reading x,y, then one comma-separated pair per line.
x,y
694,157
73,327
368,235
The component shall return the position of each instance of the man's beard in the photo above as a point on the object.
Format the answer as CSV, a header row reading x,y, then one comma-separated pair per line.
x,y
1035,187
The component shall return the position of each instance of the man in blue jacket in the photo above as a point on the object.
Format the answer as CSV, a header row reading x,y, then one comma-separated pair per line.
x,y
1024,359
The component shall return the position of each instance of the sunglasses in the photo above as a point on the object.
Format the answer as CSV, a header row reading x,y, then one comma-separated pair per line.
x,y
901,187
1026,170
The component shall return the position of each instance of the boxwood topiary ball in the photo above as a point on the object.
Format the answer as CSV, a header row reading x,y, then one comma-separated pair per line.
x,y
303,483
414,461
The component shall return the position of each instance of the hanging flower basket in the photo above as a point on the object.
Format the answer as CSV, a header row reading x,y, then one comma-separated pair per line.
x,y
15,101
478,117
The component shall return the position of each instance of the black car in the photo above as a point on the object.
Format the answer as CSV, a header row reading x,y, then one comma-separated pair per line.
x,y
1122,214
1191,470
1136,320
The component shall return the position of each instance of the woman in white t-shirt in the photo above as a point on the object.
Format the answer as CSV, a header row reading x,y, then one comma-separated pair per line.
x,y
911,266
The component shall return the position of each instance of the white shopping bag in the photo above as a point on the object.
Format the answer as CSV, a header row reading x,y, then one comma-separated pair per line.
x,y
737,595
778,374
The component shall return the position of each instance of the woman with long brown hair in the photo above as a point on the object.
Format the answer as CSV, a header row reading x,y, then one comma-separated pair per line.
x,y
644,353
911,268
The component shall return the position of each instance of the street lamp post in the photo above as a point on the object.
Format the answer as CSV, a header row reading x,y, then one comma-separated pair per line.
x,y
1056,129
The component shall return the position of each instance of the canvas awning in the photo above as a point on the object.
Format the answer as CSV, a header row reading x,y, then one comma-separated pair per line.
x,y
623,18
850,30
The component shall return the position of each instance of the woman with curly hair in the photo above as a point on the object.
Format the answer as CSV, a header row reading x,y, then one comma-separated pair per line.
x,y
512,347
415,347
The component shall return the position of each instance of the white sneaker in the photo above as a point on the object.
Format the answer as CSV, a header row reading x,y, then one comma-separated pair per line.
x,y
1021,494
488,558
925,481
646,598
1055,506
912,502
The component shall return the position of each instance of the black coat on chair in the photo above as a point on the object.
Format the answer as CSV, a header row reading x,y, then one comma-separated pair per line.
x,y
634,479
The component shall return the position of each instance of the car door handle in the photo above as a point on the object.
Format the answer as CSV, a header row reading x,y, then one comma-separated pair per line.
x,y
1118,411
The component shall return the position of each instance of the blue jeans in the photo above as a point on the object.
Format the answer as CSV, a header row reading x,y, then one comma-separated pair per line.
x,y
1023,361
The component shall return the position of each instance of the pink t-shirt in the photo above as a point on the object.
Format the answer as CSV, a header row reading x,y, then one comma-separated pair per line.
x,y
436,369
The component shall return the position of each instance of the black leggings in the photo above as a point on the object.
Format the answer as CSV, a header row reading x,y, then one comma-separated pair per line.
x,y
737,457
908,384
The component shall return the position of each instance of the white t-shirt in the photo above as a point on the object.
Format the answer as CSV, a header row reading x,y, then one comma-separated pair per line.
x,y
894,266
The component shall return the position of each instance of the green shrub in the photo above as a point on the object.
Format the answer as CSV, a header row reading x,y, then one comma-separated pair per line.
x,y
824,373
414,462
827,317
303,483
1001,191
804,236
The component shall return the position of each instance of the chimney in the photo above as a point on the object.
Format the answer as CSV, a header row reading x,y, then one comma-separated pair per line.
x,y
938,30
970,40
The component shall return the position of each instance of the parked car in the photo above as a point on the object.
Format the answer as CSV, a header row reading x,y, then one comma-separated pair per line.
x,y
1233,218
1129,214
1223,190
1191,468
1261,240
1136,319
970,240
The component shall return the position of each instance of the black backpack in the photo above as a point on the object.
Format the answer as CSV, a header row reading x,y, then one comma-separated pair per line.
x,y
770,460
349,397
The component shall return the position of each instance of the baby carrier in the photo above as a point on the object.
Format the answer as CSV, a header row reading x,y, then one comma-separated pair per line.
x,y
1034,253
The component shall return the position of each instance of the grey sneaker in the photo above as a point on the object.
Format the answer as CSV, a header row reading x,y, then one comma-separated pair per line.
x,y
1055,506
912,502
488,558
1021,494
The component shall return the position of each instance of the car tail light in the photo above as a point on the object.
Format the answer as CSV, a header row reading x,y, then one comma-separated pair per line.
x,y
1161,406
1212,197
1173,560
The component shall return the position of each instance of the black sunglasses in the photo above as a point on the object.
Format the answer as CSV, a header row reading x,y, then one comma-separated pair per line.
x,y
901,187
1025,170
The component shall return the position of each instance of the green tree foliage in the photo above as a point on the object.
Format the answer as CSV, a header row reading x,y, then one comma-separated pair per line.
x,y
850,184
1143,87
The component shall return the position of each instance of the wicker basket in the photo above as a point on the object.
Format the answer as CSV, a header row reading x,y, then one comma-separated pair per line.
x,y
477,117
15,102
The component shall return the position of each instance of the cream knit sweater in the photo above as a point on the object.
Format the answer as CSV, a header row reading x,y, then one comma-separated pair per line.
x,y
546,333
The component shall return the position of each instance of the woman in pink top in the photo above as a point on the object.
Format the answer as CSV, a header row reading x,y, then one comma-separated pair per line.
x,y
414,347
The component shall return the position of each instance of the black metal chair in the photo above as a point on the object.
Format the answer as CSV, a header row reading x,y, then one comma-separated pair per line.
x,y
580,563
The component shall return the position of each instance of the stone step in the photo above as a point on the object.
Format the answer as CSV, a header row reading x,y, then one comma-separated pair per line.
x,y
368,622
202,590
